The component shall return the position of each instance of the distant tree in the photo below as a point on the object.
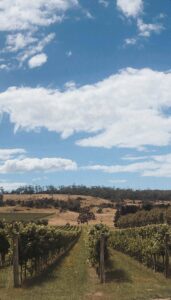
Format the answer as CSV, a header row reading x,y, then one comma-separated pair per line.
x,y
99,210
85,215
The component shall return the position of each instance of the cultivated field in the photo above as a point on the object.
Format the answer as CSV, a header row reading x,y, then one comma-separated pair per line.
x,y
71,277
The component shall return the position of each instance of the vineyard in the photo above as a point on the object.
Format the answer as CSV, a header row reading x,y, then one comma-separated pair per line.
x,y
51,255
147,244
143,217
38,246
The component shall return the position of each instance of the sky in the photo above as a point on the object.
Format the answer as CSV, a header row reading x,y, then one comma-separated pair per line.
x,y
85,93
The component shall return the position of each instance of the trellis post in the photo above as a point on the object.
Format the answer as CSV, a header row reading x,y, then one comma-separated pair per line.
x,y
102,258
16,260
166,269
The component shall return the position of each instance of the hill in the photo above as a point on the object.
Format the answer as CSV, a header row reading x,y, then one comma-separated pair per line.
x,y
58,216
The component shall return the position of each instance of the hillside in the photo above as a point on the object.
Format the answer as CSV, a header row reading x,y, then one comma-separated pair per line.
x,y
59,217
84,200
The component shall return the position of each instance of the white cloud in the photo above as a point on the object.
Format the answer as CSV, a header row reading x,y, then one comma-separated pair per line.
x,y
124,110
134,8
37,164
153,166
28,14
23,21
9,186
162,166
70,85
36,48
130,41
4,67
130,168
146,30
18,41
37,60
130,8
134,158
10,153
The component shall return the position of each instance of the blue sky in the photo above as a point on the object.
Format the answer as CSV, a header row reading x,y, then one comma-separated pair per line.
x,y
85,93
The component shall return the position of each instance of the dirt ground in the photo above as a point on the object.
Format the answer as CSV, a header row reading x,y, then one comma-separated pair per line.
x,y
71,217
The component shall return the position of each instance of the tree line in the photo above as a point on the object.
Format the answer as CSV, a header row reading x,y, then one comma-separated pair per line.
x,y
111,193
71,204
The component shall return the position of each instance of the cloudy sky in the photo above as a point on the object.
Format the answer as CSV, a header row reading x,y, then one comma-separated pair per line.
x,y
85,93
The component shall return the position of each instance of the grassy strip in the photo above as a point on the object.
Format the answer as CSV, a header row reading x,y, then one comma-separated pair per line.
x,y
66,281
127,279
72,279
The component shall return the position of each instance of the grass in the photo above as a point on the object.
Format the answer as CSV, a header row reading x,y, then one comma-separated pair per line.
x,y
16,216
72,279
127,279
67,280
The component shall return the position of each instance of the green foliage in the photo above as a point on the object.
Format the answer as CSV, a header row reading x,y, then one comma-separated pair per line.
x,y
143,217
4,245
39,245
93,243
110,193
46,202
23,217
85,215
146,244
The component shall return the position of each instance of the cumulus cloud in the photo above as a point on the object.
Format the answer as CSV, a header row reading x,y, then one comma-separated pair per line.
x,y
10,153
28,14
134,9
36,164
37,60
131,8
70,85
128,109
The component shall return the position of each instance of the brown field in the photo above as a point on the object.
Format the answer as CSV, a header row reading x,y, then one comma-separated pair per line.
x,y
61,218
85,200
71,217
